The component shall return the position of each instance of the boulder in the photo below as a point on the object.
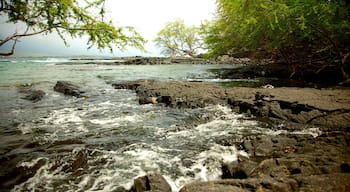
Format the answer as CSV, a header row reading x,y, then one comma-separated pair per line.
x,y
240,169
151,182
69,88
34,95
31,93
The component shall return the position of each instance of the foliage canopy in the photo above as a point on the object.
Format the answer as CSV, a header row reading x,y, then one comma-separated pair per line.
x,y
313,32
74,18
177,39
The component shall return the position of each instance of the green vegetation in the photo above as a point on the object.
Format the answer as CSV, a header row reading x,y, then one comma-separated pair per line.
x,y
177,39
67,17
306,34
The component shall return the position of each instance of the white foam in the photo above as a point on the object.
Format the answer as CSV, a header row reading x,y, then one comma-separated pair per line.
x,y
25,129
315,131
49,60
64,116
31,163
104,121
106,103
118,120
42,178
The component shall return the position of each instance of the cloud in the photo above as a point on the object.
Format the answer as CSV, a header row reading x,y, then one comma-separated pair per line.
x,y
148,17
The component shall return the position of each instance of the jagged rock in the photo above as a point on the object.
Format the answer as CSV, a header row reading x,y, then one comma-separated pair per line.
x,y
290,162
68,88
151,182
240,169
263,147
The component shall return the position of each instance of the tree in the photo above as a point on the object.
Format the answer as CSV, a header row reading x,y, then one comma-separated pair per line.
x,y
74,18
177,39
305,33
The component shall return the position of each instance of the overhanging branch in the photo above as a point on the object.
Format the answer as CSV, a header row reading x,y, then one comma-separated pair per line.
x,y
12,49
16,36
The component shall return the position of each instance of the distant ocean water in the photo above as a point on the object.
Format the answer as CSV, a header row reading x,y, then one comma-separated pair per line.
x,y
63,143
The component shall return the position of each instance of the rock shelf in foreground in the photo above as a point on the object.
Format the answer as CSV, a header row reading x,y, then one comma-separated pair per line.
x,y
285,162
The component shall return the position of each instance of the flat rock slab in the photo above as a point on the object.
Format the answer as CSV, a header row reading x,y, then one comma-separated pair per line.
x,y
324,99
328,107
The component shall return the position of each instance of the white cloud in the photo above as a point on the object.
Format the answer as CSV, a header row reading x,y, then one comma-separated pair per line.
x,y
150,16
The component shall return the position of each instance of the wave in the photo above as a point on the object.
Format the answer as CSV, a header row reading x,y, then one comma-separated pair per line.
x,y
35,60
50,60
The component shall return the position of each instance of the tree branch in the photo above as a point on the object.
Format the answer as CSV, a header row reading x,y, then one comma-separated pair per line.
x,y
16,36
12,49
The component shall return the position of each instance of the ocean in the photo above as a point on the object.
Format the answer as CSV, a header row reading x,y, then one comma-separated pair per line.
x,y
105,141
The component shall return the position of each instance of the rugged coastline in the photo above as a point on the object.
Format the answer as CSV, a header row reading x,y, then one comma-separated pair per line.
x,y
290,161
286,162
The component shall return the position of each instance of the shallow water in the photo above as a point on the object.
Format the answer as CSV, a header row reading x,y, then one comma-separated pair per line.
x,y
101,143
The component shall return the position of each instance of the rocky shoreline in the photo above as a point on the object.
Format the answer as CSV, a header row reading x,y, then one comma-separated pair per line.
x,y
286,162
292,161
138,60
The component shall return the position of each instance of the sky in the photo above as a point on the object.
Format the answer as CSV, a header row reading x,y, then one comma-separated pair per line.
x,y
148,17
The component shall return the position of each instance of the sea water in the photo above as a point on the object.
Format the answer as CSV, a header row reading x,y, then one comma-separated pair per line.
x,y
103,142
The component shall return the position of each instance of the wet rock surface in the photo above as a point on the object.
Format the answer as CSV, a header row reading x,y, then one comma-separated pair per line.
x,y
69,88
162,60
31,94
321,107
303,76
34,95
284,162
303,162
151,182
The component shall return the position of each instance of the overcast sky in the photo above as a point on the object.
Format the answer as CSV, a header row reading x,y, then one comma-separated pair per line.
x,y
148,17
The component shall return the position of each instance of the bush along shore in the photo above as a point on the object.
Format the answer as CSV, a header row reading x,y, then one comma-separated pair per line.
x,y
286,162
